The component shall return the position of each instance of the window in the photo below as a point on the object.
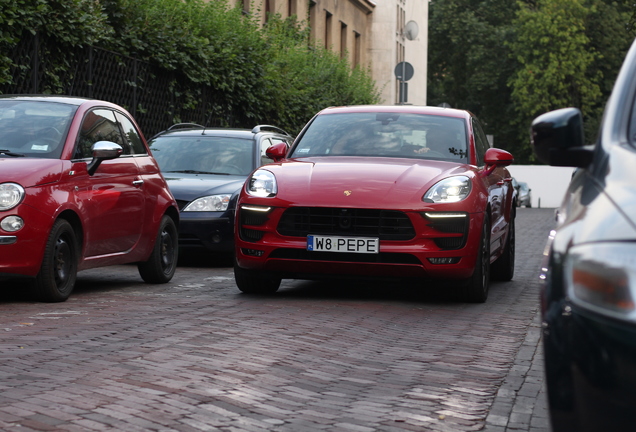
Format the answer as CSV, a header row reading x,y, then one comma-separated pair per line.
x,y
131,134
98,125
328,18
343,40
356,50
481,142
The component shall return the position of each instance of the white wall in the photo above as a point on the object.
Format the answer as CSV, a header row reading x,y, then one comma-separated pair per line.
x,y
548,183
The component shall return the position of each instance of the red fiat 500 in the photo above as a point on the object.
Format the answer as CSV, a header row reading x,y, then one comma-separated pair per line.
x,y
369,191
79,189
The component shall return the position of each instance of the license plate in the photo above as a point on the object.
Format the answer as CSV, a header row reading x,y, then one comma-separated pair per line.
x,y
320,243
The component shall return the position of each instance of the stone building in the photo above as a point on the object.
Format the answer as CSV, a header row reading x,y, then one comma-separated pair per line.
x,y
373,34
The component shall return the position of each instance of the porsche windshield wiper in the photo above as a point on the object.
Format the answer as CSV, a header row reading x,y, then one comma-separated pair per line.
x,y
195,172
10,153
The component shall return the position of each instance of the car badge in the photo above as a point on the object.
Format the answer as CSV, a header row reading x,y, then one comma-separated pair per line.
x,y
347,192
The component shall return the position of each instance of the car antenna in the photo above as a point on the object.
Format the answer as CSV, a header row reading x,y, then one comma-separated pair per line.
x,y
207,123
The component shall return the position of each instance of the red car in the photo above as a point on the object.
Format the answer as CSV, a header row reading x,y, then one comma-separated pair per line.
x,y
79,189
380,191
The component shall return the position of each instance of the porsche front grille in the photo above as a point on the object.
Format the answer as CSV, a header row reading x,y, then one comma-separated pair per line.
x,y
384,224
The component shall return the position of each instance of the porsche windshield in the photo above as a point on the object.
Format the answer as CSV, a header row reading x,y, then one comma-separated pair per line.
x,y
401,135
34,128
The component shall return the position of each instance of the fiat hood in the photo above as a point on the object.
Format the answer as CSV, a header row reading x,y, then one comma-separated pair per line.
x,y
339,181
29,172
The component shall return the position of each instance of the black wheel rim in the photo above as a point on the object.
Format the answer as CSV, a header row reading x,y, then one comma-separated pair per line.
x,y
167,250
62,261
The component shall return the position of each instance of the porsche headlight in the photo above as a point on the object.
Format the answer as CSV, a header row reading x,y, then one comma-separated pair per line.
x,y
212,203
11,194
262,184
451,189
602,278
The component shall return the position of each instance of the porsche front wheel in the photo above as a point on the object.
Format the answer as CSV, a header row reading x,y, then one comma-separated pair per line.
x,y
476,288
255,282
58,271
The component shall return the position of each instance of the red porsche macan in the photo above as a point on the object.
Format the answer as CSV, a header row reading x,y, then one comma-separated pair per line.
x,y
380,191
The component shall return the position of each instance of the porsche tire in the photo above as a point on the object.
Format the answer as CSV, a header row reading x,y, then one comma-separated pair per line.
x,y
476,288
255,282
503,269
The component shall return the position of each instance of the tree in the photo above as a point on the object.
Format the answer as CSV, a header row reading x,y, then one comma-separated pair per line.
x,y
470,62
555,59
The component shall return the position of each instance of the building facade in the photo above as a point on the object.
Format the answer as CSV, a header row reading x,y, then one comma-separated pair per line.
x,y
373,34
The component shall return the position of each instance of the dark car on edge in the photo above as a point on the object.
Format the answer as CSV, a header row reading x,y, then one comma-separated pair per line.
x,y
205,169
589,270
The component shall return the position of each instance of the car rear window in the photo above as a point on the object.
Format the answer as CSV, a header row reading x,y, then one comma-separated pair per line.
x,y
203,154
402,135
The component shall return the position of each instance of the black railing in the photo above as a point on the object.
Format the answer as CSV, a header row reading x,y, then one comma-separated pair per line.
x,y
156,97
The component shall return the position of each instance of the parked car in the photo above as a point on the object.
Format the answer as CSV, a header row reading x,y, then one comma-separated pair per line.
x,y
589,273
205,169
79,189
380,191
524,197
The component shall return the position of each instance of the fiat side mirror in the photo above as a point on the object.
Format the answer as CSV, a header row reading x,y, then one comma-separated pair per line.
x,y
103,150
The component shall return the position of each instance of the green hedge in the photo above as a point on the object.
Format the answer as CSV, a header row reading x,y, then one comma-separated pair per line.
x,y
258,75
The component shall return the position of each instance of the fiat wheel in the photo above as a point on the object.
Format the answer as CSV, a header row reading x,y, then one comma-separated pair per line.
x,y
162,263
58,272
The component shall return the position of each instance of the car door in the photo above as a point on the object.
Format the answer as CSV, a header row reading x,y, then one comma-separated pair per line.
x,y
112,198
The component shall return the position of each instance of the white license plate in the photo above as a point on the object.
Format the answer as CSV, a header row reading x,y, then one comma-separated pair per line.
x,y
320,243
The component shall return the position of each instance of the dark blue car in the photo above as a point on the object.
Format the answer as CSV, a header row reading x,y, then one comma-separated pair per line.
x,y
205,169
588,297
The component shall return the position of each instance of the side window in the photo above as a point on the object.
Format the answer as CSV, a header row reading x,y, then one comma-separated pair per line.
x,y
481,142
131,134
98,125
265,144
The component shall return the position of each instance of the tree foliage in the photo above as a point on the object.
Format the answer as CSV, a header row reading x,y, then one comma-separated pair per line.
x,y
257,75
510,61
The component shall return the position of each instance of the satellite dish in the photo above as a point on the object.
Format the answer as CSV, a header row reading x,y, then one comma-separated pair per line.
x,y
410,30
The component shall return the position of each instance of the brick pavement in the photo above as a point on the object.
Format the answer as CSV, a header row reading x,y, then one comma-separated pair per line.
x,y
196,355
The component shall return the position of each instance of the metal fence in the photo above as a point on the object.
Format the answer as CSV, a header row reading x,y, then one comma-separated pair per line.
x,y
154,96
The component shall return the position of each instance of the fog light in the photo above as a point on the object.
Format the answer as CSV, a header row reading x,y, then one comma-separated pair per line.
x,y
12,223
253,252
445,260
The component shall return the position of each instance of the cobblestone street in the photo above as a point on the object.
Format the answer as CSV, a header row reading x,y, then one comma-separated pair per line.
x,y
197,355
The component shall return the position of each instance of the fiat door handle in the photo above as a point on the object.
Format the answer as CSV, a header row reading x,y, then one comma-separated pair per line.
x,y
138,183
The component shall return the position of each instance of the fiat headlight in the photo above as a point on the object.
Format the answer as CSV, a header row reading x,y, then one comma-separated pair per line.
x,y
11,194
262,184
451,189
602,278
212,203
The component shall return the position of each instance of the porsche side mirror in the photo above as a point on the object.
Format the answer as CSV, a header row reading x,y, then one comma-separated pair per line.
x,y
498,157
103,150
277,152
557,139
